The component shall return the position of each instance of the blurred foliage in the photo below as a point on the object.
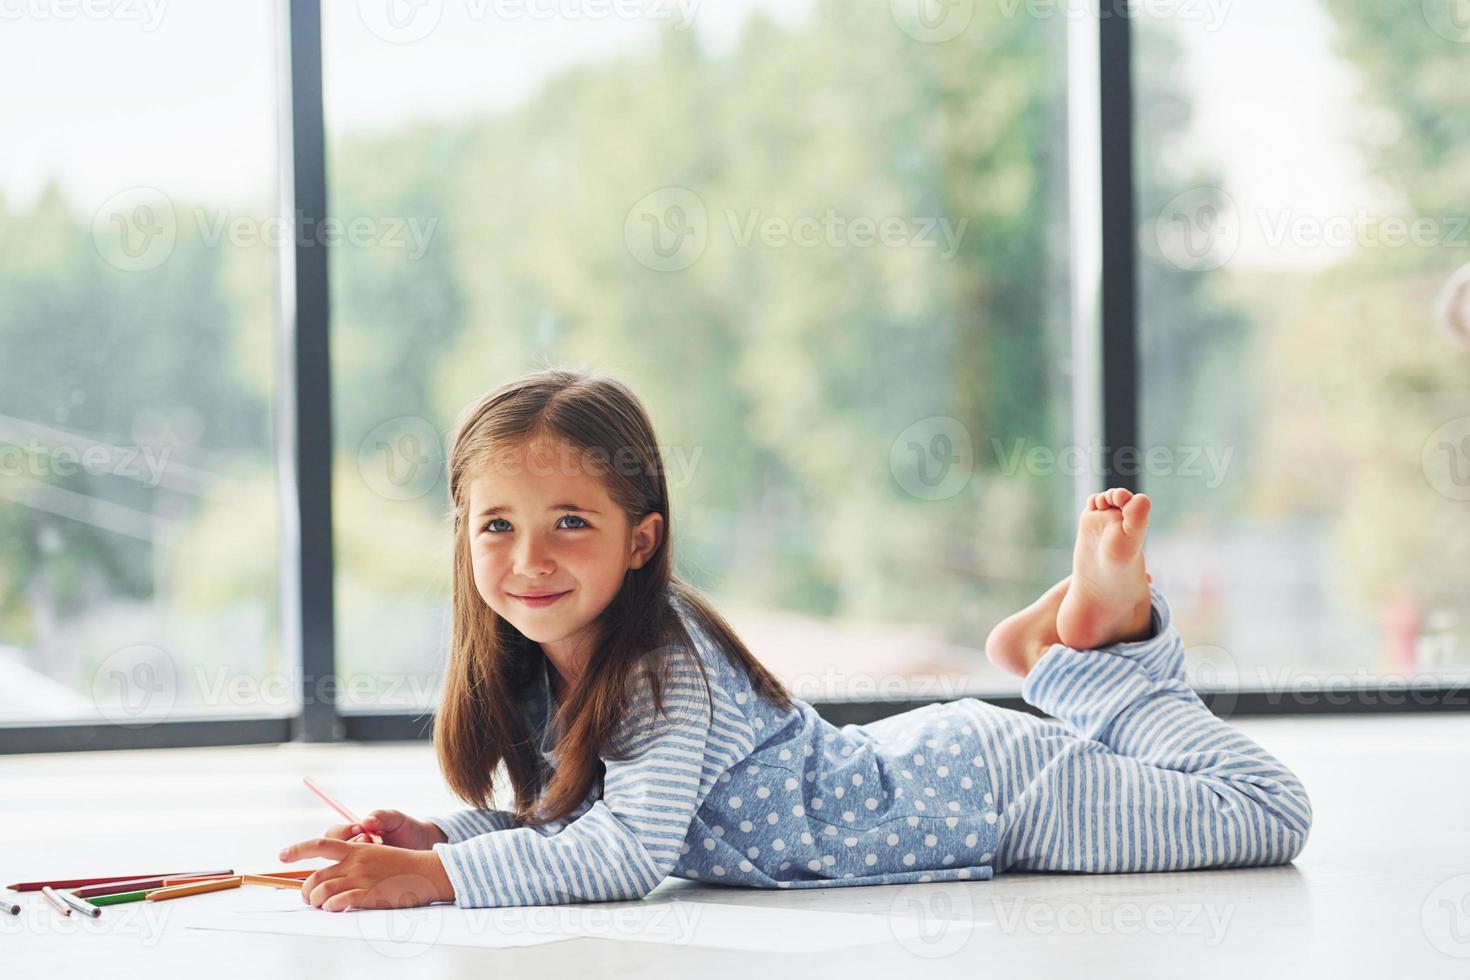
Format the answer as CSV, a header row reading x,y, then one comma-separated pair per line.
x,y
1356,373
807,362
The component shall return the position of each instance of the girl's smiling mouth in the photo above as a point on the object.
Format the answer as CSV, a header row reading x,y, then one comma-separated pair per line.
x,y
539,599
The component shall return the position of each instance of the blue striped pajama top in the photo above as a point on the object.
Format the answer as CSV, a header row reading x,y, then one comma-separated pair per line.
x,y
1135,774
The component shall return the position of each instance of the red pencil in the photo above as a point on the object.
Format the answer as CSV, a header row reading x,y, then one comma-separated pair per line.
x,y
35,886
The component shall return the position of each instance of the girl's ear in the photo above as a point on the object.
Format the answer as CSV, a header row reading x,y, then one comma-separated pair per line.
x,y
647,534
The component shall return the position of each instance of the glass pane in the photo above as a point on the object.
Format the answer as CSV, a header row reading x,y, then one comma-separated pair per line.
x,y
138,503
1302,218
824,242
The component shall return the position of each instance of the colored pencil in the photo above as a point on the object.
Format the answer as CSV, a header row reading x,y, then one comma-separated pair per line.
x,y
139,884
80,904
273,882
347,814
121,897
293,873
49,894
190,879
199,888
35,886
11,908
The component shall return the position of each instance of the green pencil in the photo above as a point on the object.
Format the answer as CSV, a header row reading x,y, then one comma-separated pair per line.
x,y
120,897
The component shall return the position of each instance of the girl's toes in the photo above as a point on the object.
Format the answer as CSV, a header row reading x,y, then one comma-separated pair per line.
x,y
1118,496
1135,514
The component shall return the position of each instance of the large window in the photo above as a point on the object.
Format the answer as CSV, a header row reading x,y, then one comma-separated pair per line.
x,y
1303,377
824,242
138,506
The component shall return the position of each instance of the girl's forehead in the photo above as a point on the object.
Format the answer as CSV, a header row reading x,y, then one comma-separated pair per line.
x,y
538,467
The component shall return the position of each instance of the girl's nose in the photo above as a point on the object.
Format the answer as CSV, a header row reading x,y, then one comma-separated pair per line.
x,y
531,558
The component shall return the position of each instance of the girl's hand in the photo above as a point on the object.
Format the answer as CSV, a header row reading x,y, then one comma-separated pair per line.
x,y
370,876
392,828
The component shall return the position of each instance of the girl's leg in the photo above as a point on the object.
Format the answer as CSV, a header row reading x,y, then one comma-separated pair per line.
x,y
1136,774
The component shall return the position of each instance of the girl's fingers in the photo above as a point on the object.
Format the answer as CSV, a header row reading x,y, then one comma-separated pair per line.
x,y
325,847
342,901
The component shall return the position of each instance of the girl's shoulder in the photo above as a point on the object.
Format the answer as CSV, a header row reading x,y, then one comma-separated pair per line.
x,y
688,650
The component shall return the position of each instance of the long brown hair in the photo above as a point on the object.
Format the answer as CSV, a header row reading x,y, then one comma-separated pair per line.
x,y
481,722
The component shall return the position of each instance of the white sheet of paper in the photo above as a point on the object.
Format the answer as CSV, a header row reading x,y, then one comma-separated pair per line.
x,y
672,922
400,931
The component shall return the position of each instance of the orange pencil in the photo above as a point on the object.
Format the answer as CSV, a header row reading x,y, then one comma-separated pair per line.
x,y
190,879
293,873
198,888
272,881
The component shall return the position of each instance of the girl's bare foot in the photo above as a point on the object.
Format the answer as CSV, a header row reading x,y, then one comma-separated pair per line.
x,y
1108,600
1019,640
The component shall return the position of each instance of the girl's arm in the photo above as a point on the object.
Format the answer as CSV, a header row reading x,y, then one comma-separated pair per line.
x,y
625,842
465,824
472,823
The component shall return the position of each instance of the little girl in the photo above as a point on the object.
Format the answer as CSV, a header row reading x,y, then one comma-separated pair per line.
x,y
642,739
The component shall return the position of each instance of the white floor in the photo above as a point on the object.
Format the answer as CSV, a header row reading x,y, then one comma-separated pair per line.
x,y
1382,890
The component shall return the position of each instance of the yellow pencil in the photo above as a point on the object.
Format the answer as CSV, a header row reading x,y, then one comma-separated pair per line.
x,y
272,881
180,891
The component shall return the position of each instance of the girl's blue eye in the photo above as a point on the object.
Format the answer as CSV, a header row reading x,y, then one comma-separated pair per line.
x,y
565,517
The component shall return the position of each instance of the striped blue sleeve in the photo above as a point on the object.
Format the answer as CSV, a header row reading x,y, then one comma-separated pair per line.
x,y
471,823
624,842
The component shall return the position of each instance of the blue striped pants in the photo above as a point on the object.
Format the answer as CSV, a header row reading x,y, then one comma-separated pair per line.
x,y
1135,773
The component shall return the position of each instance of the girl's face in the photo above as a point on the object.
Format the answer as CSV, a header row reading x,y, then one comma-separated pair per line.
x,y
549,547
